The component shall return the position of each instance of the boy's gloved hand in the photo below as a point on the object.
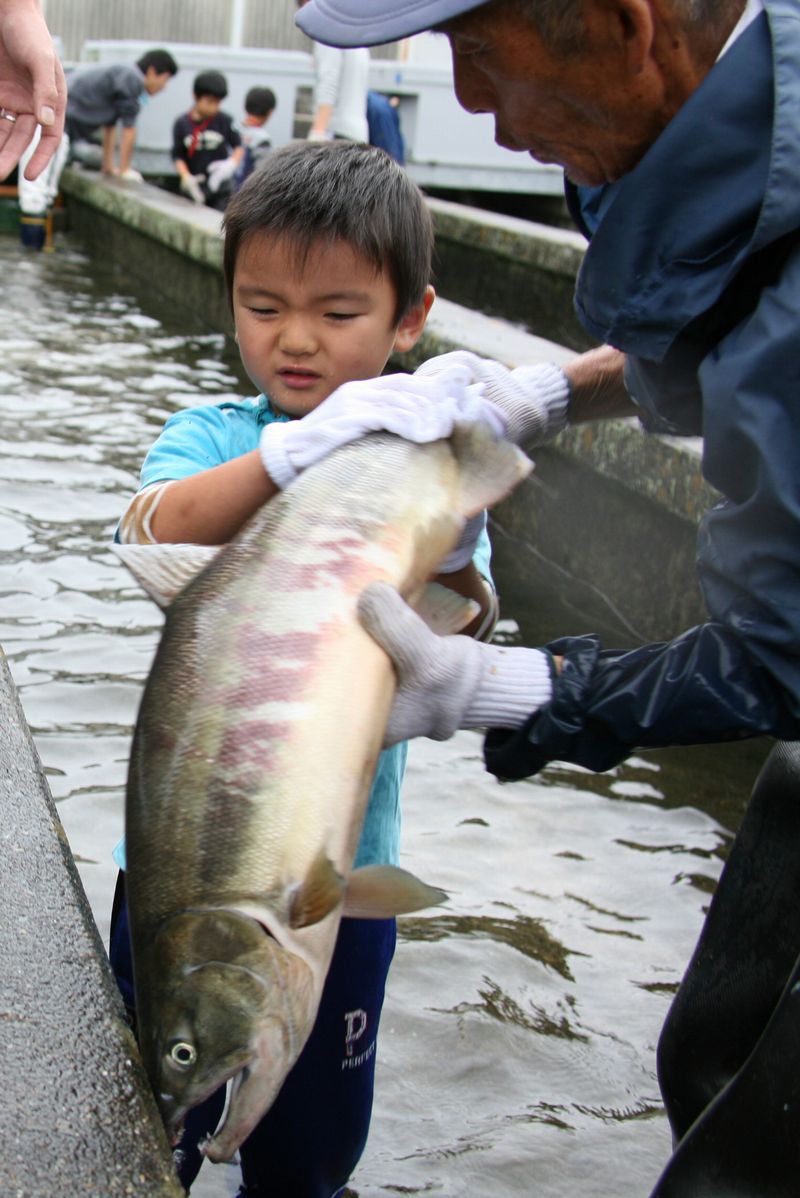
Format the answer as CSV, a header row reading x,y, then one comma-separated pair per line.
x,y
131,175
220,172
191,186
450,682
417,409
533,399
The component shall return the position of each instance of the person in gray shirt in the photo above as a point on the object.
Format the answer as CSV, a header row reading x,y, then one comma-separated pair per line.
x,y
98,98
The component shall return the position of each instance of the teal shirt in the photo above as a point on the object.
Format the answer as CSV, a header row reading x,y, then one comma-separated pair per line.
x,y
196,439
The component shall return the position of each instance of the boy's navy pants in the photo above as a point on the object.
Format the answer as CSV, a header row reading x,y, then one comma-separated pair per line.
x,y
309,1142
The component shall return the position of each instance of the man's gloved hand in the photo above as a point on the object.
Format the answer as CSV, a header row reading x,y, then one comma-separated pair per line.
x,y
220,172
450,682
191,186
417,409
533,399
131,175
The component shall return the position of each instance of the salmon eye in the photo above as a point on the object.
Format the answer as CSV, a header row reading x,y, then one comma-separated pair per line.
x,y
182,1054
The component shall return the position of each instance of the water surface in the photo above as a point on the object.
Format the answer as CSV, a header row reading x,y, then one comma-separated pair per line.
x,y
517,1051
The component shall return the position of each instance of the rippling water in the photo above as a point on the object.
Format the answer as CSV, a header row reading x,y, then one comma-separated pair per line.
x,y
517,1051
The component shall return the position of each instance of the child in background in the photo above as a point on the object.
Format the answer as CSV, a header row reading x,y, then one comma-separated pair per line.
x,y
259,105
97,98
206,145
327,258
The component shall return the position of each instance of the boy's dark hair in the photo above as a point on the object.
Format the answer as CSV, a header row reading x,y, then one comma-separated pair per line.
x,y
210,83
337,191
159,60
259,101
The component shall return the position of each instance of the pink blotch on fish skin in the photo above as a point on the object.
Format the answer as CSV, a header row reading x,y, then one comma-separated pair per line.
x,y
251,747
277,666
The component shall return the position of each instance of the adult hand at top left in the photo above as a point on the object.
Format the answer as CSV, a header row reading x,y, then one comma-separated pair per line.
x,y
33,90
415,408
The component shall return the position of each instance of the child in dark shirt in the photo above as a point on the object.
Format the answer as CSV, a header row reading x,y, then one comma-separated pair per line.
x,y
206,145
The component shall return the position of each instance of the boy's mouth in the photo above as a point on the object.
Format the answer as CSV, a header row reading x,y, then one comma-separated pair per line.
x,y
298,377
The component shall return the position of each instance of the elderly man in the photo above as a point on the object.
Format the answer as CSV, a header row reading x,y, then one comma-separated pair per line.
x,y
676,123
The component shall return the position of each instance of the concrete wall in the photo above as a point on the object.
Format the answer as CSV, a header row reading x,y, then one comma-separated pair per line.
x,y
75,1105
603,533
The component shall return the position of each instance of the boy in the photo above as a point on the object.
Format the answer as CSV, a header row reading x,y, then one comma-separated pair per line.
x,y
97,97
206,146
259,105
327,258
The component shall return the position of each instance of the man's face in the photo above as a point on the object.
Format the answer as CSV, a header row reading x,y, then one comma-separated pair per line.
x,y
584,111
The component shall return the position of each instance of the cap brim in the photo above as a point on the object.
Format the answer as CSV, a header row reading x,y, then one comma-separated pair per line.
x,y
348,23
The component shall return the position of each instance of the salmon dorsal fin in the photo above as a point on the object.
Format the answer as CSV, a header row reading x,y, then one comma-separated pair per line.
x,y
163,571
490,468
444,611
320,894
383,891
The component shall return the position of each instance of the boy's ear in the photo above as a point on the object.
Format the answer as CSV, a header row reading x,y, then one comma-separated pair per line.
x,y
410,327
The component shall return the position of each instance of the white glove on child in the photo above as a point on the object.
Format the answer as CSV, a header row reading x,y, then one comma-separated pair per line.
x,y
131,175
191,186
417,409
533,399
220,172
450,682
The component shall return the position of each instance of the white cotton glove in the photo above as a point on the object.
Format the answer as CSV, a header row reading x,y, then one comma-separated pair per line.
x,y
131,175
417,409
533,399
191,186
220,172
450,682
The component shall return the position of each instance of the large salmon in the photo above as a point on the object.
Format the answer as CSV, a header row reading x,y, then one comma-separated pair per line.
x,y
253,755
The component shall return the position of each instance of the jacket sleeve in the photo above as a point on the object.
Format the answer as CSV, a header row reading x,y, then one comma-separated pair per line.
x,y
739,674
127,91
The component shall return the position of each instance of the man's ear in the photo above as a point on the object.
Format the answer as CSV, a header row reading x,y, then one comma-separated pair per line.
x,y
635,30
410,328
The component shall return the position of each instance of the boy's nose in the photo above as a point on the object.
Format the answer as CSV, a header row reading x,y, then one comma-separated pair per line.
x,y
297,337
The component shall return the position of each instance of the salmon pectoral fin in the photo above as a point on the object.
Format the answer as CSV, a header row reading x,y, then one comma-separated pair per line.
x,y
163,571
383,891
319,894
444,611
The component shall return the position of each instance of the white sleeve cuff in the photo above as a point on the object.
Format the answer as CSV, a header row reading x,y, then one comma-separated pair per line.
x,y
515,683
551,387
275,459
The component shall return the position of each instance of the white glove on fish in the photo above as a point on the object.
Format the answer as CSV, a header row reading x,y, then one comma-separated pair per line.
x,y
220,172
417,409
191,186
450,682
533,399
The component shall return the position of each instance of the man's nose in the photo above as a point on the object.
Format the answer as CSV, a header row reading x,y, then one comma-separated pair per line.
x,y
471,88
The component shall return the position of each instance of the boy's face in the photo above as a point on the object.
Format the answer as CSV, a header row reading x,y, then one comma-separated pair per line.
x,y
155,82
207,106
304,332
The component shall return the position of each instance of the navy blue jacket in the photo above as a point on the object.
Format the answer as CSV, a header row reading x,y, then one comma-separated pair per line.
x,y
693,269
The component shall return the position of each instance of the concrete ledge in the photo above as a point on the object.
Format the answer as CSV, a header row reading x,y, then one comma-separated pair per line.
x,y
632,577
76,1109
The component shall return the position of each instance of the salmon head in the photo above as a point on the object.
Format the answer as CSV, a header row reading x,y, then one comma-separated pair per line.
x,y
224,1002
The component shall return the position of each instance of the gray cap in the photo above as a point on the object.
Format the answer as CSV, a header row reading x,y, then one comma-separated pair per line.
x,y
371,22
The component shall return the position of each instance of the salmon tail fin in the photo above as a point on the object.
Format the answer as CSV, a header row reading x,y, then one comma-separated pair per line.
x,y
163,571
444,611
490,468
383,891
